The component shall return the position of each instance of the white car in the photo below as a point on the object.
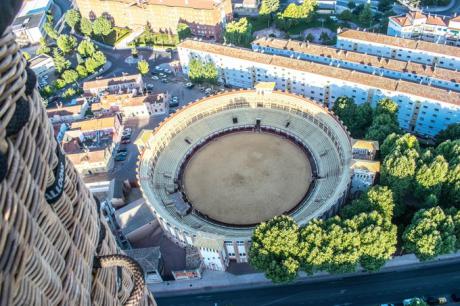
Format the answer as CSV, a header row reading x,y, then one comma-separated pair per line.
x,y
155,77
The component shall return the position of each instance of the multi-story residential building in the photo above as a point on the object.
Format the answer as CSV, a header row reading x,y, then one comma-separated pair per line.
x,y
94,129
89,161
206,18
128,83
42,65
28,25
387,67
135,106
433,28
68,113
404,49
246,7
424,110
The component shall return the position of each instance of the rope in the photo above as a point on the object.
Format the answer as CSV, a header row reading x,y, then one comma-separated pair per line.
x,y
118,260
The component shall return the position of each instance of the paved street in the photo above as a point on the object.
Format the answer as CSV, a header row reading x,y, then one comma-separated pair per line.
x,y
439,279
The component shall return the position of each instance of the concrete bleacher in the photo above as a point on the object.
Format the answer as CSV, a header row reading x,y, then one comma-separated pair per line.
x,y
333,171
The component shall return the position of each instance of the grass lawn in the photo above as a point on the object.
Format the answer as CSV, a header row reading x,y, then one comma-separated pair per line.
x,y
115,36
156,39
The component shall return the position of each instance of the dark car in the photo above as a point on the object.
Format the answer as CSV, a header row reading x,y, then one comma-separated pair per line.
x,y
456,296
122,150
120,158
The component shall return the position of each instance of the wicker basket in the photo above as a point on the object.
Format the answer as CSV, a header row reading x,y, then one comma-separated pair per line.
x,y
52,237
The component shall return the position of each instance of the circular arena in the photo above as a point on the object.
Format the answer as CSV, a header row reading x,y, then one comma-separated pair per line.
x,y
221,165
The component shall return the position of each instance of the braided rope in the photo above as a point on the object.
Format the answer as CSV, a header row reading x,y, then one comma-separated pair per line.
x,y
118,260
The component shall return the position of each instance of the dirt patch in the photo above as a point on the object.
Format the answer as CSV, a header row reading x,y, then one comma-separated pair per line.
x,y
246,178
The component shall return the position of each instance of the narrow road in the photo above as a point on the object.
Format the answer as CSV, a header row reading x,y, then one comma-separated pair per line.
x,y
373,289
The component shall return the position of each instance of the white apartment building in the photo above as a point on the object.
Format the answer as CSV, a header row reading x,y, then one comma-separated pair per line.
x,y
390,68
403,49
42,65
423,110
364,175
134,106
28,24
74,111
433,28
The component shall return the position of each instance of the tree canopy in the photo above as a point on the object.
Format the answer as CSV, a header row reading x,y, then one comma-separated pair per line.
x,y
69,76
60,62
431,233
86,26
143,67
274,249
72,17
66,43
452,132
268,7
102,26
238,32
183,31
86,48
357,118
200,72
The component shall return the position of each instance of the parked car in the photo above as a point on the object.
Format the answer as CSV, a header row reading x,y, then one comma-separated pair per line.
x,y
189,85
155,78
120,158
164,81
122,150
122,154
125,141
436,300
167,71
149,86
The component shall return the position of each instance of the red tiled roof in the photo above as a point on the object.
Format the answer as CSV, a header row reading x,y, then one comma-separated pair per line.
x,y
436,20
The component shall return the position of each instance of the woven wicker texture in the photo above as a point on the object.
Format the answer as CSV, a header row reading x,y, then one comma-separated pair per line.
x,y
51,231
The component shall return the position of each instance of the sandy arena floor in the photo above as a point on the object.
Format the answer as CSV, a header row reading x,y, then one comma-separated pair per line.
x,y
246,178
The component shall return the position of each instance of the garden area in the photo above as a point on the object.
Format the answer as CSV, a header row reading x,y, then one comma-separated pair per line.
x,y
71,67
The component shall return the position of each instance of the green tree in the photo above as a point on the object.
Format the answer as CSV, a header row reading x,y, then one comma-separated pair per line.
x,y
431,233
274,249
26,55
72,17
66,43
376,198
102,27
344,242
351,5
69,76
86,48
81,70
429,179
451,187
143,67
452,132
387,106
183,31
313,254
59,84
395,142
378,238
398,171
94,62
200,72
60,62
356,118
44,48
417,302
365,17
46,91
238,32
346,15
455,215
268,7
310,37
86,26
50,31
70,92
382,126
450,149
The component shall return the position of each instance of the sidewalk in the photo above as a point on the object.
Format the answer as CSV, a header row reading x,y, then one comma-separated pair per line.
x,y
221,281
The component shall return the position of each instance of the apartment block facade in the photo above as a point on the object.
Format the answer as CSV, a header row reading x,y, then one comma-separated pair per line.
x,y
386,67
206,18
433,28
423,110
403,49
